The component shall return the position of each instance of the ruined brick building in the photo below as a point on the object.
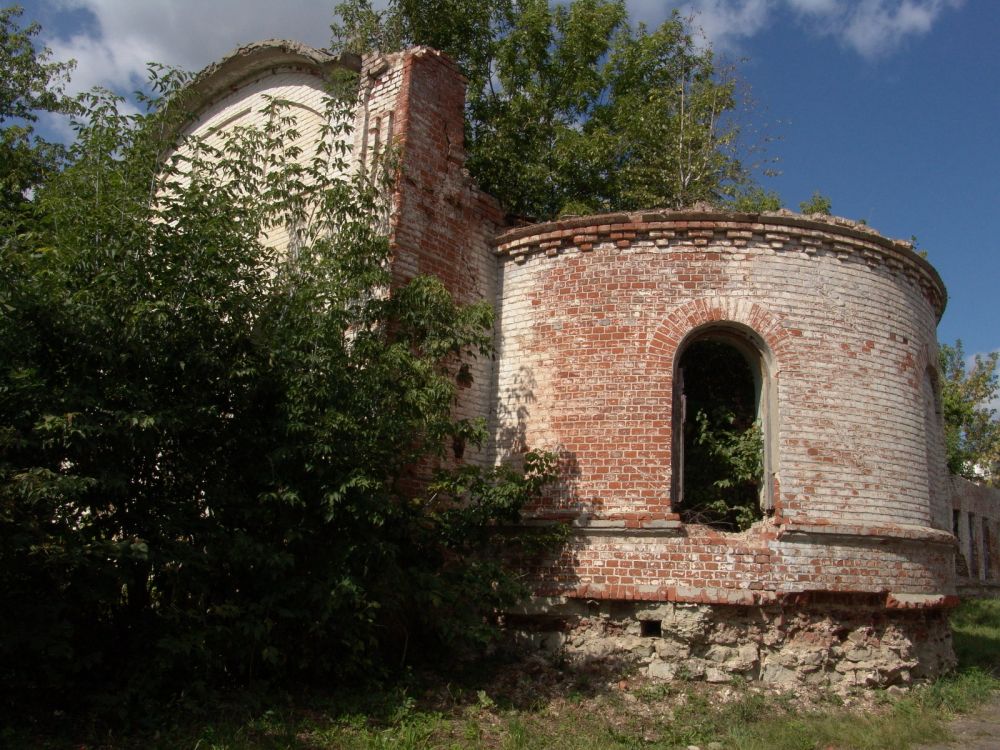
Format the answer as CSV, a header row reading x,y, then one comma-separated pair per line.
x,y
847,576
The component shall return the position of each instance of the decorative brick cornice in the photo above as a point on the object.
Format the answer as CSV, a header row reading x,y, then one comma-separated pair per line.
x,y
707,230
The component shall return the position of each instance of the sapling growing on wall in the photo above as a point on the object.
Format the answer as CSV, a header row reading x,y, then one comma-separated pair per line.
x,y
722,439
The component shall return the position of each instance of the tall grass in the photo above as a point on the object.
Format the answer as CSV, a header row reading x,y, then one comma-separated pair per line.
x,y
976,632
594,715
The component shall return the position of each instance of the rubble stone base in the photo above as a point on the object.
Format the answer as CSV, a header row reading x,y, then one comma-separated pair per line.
x,y
788,646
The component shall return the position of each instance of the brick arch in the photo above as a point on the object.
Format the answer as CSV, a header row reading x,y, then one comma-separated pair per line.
x,y
668,339
665,340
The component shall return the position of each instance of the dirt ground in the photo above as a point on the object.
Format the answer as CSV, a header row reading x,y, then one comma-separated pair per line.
x,y
977,731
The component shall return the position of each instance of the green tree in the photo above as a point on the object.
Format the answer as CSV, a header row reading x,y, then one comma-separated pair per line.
x,y
208,449
723,443
29,84
817,204
972,430
755,199
570,108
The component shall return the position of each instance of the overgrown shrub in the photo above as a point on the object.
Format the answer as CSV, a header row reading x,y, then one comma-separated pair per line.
x,y
204,442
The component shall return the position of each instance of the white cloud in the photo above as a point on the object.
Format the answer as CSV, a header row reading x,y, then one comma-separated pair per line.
x,y
113,51
725,22
876,27
872,28
184,33
819,7
101,62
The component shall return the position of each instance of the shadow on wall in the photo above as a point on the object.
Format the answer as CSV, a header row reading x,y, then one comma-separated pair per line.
x,y
554,568
511,440
513,412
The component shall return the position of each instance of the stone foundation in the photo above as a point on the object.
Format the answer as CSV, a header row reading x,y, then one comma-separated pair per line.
x,y
790,646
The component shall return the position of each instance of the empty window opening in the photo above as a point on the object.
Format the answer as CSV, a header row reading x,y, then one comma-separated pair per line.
x,y
973,548
987,549
650,628
961,561
720,468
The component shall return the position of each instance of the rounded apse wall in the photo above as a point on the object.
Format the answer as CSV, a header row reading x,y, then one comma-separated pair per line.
x,y
594,313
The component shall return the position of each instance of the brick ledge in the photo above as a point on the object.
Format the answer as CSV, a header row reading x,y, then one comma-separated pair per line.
x,y
797,531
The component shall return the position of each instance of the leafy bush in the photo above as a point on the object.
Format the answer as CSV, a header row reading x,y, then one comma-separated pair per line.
x,y
208,448
726,467
817,204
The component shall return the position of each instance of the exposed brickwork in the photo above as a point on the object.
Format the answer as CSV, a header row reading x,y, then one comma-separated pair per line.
x,y
855,554
442,224
760,566
594,313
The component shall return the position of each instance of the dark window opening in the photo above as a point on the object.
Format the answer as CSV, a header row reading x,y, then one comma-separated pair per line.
x,y
973,548
987,552
961,562
650,628
720,439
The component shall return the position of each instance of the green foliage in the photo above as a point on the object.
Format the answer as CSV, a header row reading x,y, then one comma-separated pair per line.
x,y
971,427
723,442
818,204
29,84
724,470
209,450
734,455
755,200
570,108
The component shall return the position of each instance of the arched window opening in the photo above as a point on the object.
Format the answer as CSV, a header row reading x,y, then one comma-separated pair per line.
x,y
720,427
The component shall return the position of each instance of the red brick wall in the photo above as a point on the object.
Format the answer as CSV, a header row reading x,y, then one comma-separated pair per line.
x,y
591,315
593,312
696,564
441,224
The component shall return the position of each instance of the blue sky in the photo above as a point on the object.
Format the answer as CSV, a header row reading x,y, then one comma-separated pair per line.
x,y
891,108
